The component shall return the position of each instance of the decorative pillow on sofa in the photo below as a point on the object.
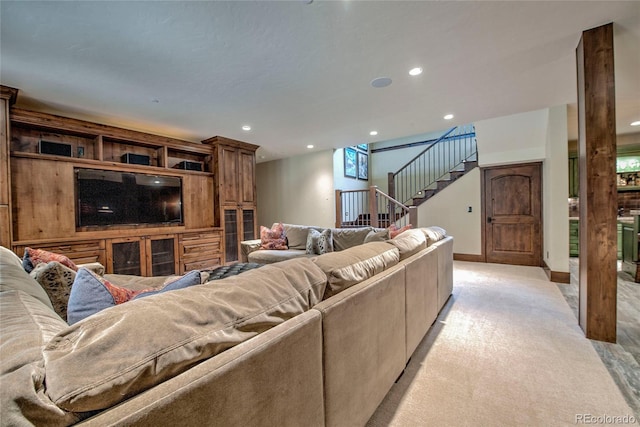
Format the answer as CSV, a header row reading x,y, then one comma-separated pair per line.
x,y
33,257
319,242
91,293
56,279
274,237
394,231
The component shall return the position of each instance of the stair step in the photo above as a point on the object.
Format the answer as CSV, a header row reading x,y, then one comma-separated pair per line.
x,y
470,164
453,175
443,183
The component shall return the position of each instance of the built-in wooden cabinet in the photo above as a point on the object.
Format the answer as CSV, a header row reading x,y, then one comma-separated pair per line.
x,y
38,192
235,192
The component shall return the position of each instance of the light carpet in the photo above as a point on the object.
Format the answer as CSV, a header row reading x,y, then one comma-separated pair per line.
x,y
505,351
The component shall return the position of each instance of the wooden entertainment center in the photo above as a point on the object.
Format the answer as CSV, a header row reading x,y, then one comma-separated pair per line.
x,y
40,155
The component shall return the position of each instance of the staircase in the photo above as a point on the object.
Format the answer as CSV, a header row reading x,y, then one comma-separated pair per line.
x,y
447,159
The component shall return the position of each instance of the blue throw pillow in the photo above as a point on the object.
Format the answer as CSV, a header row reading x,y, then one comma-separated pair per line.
x,y
189,279
91,293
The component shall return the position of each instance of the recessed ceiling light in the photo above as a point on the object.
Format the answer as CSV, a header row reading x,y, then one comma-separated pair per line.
x,y
415,71
373,133
246,127
636,123
381,82
310,146
448,117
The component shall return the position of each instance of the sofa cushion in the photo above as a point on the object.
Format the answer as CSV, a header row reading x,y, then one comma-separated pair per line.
x,y
56,279
7,256
33,257
91,293
297,235
119,352
434,234
377,236
409,242
319,242
345,238
27,325
356,264
14,277
273,238
270,257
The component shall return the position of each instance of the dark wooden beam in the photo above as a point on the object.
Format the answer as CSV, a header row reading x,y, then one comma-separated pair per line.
x,y
598,192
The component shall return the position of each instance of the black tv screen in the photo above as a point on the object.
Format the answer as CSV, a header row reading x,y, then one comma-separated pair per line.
x,y
114,198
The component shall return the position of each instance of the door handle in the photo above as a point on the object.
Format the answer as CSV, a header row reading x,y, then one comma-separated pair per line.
x,y
489,220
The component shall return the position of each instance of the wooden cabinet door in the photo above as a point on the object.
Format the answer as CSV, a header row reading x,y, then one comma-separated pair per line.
x,y
246,167
513,214
228,178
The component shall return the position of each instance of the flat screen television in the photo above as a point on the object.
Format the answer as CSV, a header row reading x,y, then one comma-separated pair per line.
x,y
106,198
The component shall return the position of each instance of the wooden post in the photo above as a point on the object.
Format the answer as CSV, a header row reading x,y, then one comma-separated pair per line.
x,y
373,206
338,208
7,98
598,191
391,186
413,216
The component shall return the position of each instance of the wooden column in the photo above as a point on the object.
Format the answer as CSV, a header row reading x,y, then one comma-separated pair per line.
x,y
598,192
7,98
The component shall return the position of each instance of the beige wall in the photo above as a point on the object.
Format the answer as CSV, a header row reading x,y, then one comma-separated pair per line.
x,y
555,184
450,209
517,138
297,190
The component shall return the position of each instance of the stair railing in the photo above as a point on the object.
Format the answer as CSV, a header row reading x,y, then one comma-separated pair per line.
x,y
371,207
447,153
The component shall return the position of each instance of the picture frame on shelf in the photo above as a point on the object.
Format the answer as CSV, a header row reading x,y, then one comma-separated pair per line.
x,y
350,163
362,147
363,166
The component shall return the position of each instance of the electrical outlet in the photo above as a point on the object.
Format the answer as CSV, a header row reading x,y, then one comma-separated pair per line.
x,y
470,209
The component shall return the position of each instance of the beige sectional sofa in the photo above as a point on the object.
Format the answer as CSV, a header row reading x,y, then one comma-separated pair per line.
x,y
306,341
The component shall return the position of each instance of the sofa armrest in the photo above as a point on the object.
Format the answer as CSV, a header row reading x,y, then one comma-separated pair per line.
x,y
249,246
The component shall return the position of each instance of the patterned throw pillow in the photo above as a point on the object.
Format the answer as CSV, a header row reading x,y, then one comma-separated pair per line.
x,y
394,231
56,279
273,238
91,293
319,242
33,257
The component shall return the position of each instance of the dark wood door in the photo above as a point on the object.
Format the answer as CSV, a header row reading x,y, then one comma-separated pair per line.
x,y
513,214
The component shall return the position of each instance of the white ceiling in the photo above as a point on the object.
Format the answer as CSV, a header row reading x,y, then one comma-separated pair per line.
x,y
299,73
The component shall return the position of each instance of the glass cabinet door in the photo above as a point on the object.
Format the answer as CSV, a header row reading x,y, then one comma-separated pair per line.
x,y
127,257
231,235
248,224
163,258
